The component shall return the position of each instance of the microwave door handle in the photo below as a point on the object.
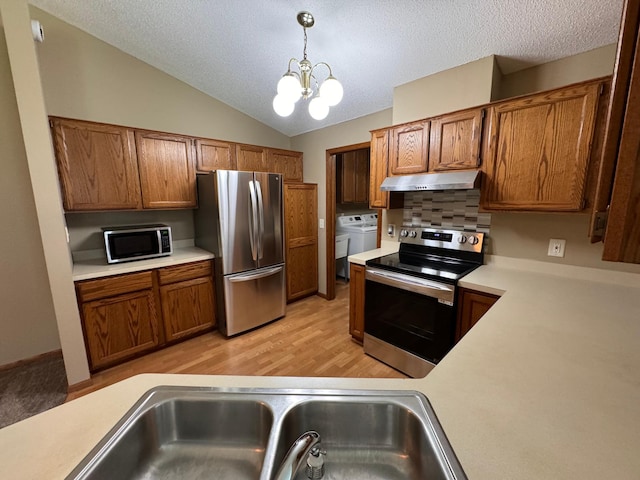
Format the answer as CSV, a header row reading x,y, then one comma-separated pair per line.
x,y
260,220
159,238
253,220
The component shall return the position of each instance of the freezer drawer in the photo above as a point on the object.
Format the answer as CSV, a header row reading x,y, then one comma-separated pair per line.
x,y
253,298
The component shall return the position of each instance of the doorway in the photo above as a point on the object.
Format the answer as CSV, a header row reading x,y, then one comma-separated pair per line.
x,y
347,192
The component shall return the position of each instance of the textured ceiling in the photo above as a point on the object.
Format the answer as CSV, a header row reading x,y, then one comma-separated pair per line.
x,y
237,50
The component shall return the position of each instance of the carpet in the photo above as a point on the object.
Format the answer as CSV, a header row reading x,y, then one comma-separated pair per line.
x,y
31,388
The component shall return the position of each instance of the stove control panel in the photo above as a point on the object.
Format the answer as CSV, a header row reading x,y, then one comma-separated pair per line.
x,y
449,239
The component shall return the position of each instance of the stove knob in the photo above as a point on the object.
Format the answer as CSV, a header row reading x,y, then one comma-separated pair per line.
x,y
403,233
473,240
462,239
412,234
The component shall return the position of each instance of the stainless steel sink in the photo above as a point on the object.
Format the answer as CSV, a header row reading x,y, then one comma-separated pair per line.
x,y
176,432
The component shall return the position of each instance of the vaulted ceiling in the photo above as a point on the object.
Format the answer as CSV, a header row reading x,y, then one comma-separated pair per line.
x,y
237,50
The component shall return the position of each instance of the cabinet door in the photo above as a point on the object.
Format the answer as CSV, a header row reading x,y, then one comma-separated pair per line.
x,y
120,327
378,168
285,162
361,176
300,218
409,148
167,170
537,150
214,155
187,307
455,141
97,165
354,177
471,307
250,158
356,302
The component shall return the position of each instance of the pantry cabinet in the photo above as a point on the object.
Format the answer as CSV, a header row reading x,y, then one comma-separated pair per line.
x,y
409,148
301,239
472,306
119,317
97,165
214,155
356,301
186,295
167,170
537,150
124,316
455,141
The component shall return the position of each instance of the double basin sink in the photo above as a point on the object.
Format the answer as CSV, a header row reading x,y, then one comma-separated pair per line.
x,y
205,433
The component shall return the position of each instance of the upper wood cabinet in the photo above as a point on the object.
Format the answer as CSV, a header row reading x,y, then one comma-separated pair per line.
x,y
618,190
409,148
97,165
455,141
214,155
537,150
251,158
301,237
353,177
167,170
285,162
379,170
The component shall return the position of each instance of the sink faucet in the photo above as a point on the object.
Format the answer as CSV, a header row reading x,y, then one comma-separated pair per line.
x,y
307,445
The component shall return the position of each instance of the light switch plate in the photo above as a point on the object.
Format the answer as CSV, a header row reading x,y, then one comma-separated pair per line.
x,y
321,223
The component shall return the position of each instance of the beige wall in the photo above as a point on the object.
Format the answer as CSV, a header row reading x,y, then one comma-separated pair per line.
x,y
453,89
314,145
594,63
83,77
27,321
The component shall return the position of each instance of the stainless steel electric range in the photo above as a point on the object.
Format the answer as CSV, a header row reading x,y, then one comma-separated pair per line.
x,y
410,297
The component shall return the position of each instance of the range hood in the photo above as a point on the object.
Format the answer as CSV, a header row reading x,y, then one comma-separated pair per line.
x,y
463,180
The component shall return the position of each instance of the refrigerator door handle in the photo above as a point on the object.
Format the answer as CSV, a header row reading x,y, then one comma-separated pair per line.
x,y
254,276
253,220
260,220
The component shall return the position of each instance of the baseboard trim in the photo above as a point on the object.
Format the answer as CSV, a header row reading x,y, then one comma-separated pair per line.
x,y
79,386
35,358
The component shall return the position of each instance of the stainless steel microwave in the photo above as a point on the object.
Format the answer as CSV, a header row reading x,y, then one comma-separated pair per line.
x,y
137,242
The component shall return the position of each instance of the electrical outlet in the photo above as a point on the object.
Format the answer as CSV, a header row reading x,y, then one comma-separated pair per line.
x,y
556,247
391,230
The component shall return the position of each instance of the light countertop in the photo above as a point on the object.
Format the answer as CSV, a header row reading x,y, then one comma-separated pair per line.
x,y
386,247
98,267
545,386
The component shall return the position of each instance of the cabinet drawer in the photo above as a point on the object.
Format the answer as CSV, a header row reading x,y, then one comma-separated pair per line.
x,y
111,286
187,271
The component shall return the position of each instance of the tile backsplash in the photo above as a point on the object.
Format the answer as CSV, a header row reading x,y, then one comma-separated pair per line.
x,y
454,209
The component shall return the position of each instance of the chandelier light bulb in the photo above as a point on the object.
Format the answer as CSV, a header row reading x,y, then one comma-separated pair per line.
x,y
318,108
289,87
283,106
331,90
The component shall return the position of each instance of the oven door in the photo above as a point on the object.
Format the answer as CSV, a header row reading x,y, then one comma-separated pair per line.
x,y
409,321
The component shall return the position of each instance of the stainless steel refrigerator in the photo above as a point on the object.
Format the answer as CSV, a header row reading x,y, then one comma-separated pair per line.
x,y
239,219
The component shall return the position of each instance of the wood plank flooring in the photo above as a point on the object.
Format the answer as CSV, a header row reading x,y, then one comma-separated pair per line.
x,y
312,340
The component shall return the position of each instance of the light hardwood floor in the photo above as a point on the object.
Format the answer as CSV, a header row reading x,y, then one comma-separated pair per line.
x,y
312,340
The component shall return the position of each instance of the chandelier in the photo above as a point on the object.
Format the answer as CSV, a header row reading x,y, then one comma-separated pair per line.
x,y
298,84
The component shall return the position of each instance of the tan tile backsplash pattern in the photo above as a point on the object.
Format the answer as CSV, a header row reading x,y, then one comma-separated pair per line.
x,y
450,209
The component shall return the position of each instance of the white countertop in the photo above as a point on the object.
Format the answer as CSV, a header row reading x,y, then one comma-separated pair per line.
x,y
386,247
545,386
98,267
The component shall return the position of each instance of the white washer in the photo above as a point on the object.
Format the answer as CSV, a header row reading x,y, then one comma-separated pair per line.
x,y
362,232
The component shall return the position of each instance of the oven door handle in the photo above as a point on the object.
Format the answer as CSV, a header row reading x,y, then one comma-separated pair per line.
x,y
421,286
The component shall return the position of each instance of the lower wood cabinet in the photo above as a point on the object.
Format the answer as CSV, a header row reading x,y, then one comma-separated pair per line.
x,y
472,306
128,315
356,301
